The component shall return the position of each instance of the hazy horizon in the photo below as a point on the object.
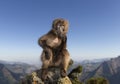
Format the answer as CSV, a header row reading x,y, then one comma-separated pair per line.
x,y
38,62
94,30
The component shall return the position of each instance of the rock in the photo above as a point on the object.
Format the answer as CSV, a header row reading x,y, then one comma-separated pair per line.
x,y
65,80
53,77
36,79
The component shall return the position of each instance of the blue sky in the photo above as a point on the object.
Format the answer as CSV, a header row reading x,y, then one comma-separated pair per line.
x,y
94,30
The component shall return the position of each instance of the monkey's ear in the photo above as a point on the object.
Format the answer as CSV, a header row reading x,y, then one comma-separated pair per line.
x,y
54,23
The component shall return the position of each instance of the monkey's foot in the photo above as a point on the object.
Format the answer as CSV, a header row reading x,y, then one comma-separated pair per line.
x,y
63,73
44,74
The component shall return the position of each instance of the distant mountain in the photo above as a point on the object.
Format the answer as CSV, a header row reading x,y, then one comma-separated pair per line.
x,y
11,73
6,77
88,68
109,69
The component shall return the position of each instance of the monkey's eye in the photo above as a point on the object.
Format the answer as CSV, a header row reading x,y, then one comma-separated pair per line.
x,y
62,26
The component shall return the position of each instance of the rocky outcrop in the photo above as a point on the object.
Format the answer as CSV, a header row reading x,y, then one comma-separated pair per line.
x,y
54,77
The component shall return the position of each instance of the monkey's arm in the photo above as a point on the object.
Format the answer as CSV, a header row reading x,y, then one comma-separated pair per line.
x,y
64,42
47,40
42,41
46,48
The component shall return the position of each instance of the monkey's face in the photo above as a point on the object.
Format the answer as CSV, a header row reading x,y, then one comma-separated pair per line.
x,y
60,26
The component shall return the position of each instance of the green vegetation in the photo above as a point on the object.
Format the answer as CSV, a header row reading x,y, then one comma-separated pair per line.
x,y
74,75
98,80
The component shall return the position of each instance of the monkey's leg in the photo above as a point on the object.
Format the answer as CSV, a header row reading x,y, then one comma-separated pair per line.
x,y
65,62
48,53
45,64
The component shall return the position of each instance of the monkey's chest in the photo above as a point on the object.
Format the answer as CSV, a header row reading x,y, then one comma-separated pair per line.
x,y
56,40
54,43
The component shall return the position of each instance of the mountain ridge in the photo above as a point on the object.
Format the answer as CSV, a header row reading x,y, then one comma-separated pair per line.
x,y
109,69
12,73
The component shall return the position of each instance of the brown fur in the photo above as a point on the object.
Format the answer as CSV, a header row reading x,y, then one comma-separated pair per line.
x,y
54,47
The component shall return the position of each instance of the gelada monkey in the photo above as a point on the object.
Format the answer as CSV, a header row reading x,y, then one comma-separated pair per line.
x,y
54,48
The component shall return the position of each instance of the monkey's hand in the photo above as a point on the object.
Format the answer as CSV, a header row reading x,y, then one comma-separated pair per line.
x,y
64,39
44,74
63,44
